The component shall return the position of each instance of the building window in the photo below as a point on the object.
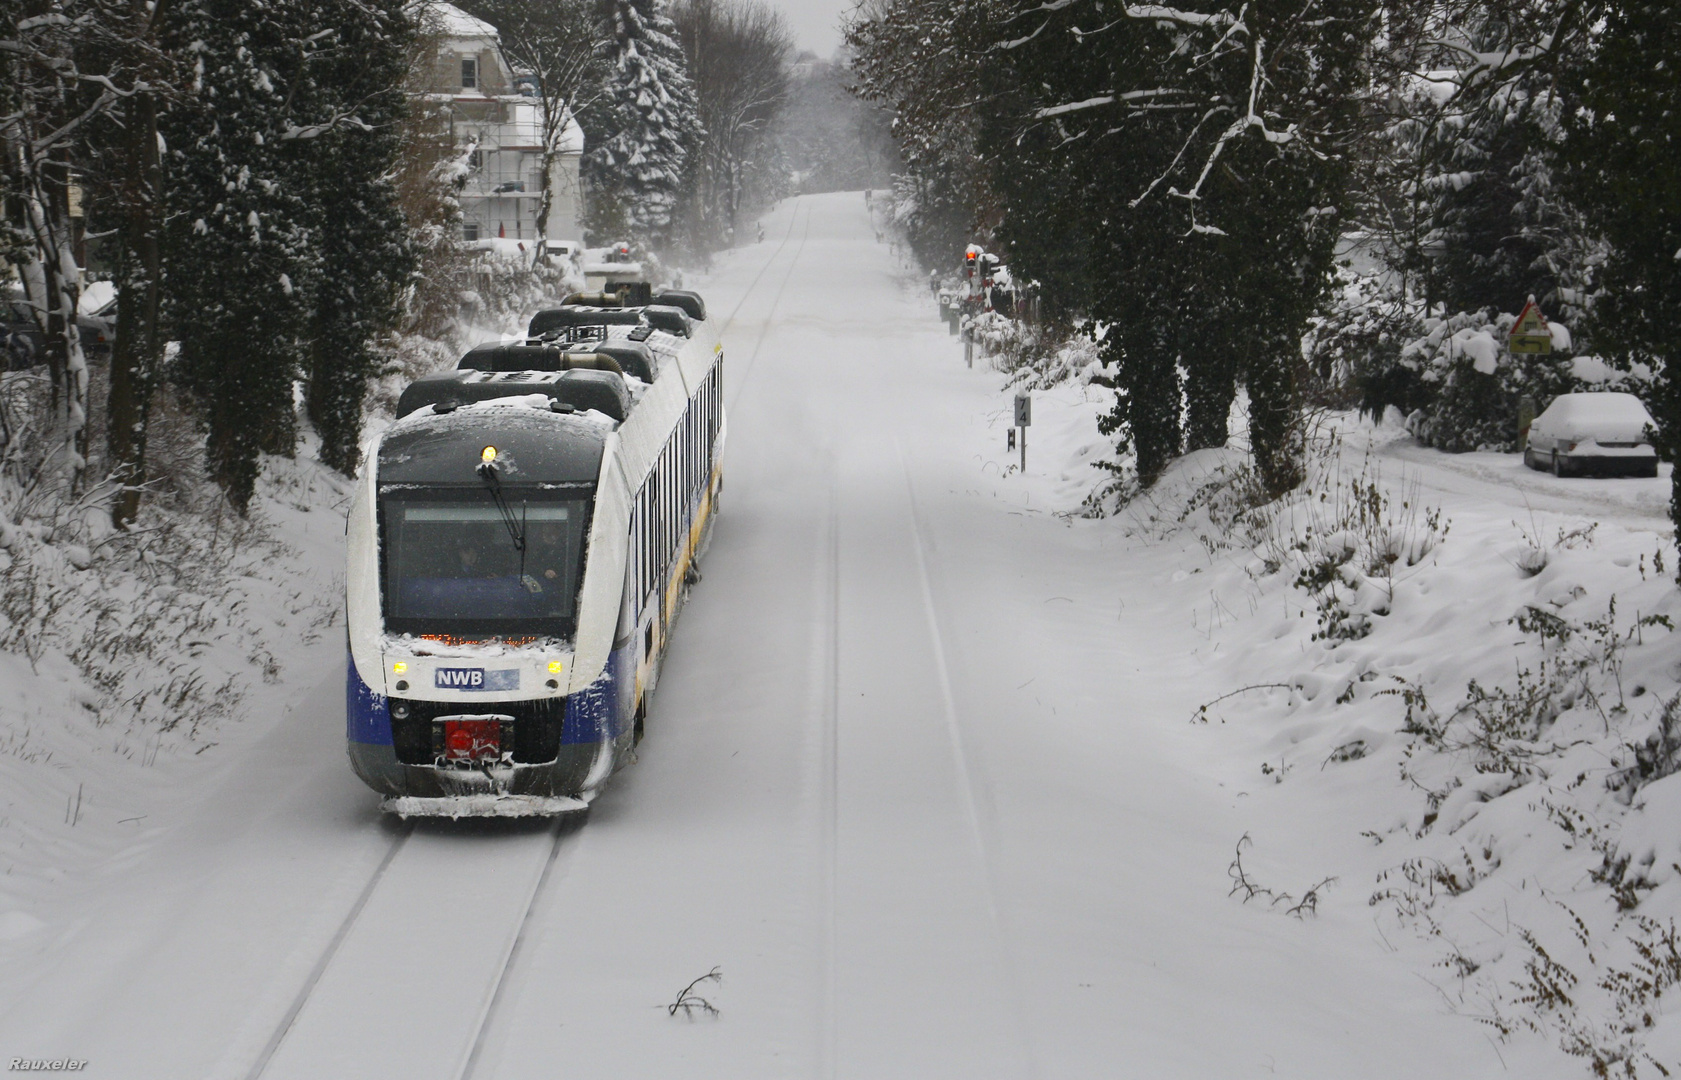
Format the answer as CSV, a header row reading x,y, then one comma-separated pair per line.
x,y
469,230
469,73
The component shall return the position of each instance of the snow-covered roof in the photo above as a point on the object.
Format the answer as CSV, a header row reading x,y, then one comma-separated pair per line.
x,y
452,21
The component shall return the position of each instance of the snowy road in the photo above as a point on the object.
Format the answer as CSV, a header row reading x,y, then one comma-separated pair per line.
x,y
918,781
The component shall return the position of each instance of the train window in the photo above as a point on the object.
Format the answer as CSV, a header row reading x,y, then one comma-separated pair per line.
x,y
451,565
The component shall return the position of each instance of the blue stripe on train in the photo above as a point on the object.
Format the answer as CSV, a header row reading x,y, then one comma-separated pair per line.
x,y
367,715
602,711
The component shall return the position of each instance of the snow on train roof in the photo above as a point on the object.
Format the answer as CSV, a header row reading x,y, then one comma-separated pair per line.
x,y
466,414
535,443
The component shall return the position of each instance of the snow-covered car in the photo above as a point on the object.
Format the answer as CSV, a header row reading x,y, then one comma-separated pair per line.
x,y
22,345
1593,433
96,315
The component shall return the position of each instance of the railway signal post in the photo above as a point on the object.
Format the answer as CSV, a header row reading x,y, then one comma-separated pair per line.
x,y
1024,418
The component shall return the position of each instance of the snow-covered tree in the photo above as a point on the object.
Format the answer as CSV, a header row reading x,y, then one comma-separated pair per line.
x,y
286,249
833,139
124,182
363,255
47,98
925,63
643,127
241,253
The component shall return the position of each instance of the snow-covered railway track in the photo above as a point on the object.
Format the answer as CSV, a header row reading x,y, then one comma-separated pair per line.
x,y
411,982
825,708
327,954
979,815
431,946
740,381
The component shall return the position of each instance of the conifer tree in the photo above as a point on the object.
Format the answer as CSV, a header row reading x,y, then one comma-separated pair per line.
x,y
363,254
239,236
643,126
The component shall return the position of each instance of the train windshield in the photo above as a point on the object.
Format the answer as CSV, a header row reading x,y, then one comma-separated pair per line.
x,y
454,564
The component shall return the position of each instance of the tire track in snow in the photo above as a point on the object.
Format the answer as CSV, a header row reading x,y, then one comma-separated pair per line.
x,y
977,816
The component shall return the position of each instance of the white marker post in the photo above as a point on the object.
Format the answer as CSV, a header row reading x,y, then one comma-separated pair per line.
x,y
1024,418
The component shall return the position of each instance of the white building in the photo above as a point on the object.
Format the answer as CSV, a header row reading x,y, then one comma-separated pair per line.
x,y
491,107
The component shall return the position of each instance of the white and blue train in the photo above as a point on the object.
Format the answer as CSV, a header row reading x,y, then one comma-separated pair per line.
x,y
520,545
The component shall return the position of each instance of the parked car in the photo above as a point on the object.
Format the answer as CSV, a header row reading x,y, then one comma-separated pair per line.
x,y
22,345
1593,433
20,339
96,315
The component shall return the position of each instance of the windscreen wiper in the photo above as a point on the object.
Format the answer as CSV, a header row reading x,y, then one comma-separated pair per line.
x,y
516,527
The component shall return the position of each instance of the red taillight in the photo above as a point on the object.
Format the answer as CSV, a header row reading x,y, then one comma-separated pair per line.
x,y
472,740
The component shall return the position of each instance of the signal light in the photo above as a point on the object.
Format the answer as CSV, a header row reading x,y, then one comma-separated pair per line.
x,y
489,454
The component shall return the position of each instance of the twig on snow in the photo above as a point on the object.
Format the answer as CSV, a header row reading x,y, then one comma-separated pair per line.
x,y
688,1001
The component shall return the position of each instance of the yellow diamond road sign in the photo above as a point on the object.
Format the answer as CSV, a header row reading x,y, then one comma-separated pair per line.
x,y
1530,334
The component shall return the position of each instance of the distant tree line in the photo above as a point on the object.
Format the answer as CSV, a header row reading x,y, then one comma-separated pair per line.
x,y
1185,175
255,175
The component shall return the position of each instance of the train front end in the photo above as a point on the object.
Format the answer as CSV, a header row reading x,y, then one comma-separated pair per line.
x,y
484,591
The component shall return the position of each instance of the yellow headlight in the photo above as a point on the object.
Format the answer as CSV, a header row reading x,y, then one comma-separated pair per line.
x,y
554,667
399,668
489,453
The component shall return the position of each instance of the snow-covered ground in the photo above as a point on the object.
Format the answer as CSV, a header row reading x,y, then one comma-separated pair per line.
x,y
928,781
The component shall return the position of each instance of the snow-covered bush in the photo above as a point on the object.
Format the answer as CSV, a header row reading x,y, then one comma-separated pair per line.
x,y
1353,348
1035,356
1478,385
164,624
1345,539
1507,704
499,288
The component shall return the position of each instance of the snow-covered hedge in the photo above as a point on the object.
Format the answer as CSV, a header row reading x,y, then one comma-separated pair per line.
x,y
1449,374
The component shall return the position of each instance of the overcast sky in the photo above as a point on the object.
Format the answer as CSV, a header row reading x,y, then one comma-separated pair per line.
x,y
815,23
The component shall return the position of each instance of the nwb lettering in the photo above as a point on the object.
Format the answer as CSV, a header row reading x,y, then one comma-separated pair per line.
x,y
460,678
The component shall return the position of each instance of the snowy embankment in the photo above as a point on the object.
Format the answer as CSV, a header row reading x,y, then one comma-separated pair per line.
x,y
1445,690
139,664
133,664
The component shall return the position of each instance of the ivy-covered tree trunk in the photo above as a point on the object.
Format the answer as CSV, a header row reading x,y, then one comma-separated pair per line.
x,y
363,254
1622,152
1210,389
239,238
1275,413
135,187
1147,408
